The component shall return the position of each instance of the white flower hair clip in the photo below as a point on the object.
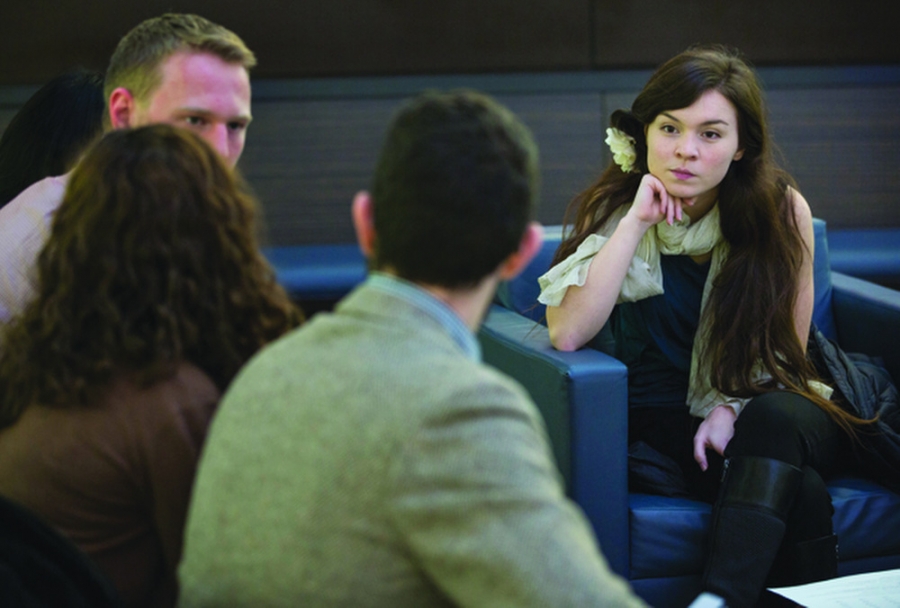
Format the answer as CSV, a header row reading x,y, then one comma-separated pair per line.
x,y
622,147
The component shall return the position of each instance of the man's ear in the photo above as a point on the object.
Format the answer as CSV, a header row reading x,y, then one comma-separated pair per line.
x,y
364,221
529,247
122,108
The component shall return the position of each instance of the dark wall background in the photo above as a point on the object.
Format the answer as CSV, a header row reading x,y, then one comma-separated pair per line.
x,y
331,72
771,32
297,38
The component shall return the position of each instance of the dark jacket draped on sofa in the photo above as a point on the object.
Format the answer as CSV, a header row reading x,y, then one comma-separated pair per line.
x,y
868,392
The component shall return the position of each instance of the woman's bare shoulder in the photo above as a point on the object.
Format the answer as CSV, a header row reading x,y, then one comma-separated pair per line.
x,y
802,212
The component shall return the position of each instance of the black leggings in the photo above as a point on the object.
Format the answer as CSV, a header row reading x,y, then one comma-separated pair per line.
x,y
791,428
780,425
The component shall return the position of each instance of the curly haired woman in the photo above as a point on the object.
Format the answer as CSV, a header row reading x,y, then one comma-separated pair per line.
x,y
696,252
152,295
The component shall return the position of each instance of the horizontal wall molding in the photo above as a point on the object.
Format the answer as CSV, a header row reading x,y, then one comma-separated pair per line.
x,y
523,82
589,81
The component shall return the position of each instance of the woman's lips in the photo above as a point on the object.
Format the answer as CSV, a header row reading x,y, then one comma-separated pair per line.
x,y
682,174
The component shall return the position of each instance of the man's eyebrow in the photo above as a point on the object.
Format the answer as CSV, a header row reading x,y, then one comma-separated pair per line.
x,y
716,121
208,113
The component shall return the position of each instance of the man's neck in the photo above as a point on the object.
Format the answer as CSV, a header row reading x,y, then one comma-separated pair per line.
x,y
470,304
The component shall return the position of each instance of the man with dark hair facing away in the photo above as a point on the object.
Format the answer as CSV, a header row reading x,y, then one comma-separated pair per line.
x,y
370,458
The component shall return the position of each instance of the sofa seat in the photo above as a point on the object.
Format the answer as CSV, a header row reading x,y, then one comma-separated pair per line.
x,y
668,535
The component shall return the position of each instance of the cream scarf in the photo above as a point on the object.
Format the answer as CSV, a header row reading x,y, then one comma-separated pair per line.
x,y
644,279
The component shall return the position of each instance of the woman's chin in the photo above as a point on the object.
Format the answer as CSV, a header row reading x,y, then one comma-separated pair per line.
x,y
678,190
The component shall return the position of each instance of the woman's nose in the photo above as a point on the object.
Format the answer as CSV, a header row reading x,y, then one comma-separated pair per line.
x,y
687,147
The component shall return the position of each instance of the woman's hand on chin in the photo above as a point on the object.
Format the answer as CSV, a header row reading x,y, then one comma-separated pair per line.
x,y
654,204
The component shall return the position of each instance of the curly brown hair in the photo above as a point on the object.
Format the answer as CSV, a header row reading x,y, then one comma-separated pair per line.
x,y
152,261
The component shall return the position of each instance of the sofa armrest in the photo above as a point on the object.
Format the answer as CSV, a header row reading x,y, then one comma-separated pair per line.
x,y
583,398
867,317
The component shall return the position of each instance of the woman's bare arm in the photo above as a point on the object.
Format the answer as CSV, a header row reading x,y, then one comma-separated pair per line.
x,y
803,307
584,310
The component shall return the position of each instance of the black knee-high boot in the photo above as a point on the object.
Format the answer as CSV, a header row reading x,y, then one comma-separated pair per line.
x,y
804,562
748,525
809,552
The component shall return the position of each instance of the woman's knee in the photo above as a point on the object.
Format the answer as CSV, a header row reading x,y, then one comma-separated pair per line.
x,y
810,517
772,426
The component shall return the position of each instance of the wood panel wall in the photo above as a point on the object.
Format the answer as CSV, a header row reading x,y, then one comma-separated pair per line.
x,y
770,32
307,157
300,39
313,143
331,73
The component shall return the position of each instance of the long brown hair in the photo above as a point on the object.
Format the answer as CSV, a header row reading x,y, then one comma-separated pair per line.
x,y
751,304
152,261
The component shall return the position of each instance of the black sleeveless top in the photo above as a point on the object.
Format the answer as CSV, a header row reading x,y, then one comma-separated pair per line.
x,y
654,337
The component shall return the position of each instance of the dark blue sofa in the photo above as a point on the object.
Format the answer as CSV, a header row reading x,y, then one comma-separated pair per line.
x,y
658,542
327,272
317,273
867,253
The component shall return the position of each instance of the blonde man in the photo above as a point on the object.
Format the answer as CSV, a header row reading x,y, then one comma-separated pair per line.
x,y
179,69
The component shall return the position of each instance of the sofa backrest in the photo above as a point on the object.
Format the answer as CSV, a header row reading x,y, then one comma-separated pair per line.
x,y
521,293
823,316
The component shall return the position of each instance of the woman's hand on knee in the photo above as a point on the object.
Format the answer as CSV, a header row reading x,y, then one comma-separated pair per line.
x,y
715,432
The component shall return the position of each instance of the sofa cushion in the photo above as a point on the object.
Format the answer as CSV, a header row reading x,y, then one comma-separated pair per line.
x,y
866,517
668,535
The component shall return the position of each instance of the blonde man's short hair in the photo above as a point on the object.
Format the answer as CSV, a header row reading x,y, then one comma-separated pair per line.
x,y
135,62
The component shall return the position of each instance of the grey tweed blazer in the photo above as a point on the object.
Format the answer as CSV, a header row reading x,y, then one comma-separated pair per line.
x,y
365,461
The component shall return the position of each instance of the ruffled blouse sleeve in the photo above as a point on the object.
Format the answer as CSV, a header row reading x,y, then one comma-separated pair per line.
x,y
702,399
701,405
644,278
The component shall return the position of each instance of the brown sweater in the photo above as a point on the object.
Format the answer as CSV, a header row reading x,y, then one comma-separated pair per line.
x,y
116,477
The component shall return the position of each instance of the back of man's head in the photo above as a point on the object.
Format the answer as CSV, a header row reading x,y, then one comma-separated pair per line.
x,y
135,63
455,186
